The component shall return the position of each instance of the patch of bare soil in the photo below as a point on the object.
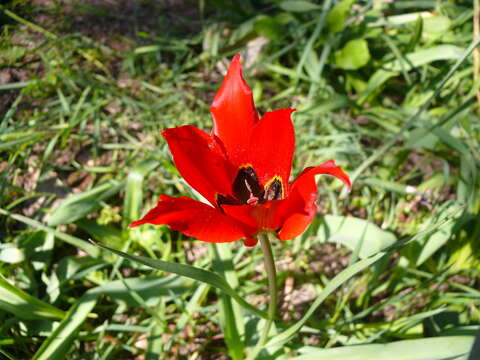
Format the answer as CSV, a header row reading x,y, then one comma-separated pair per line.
x,y
113,22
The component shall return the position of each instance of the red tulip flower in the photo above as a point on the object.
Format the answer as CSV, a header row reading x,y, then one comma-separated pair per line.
x,y
242,168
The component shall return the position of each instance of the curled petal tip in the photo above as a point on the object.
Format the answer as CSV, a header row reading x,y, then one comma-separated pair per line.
x,y
250,242
134,224
348,184
290,111
331,168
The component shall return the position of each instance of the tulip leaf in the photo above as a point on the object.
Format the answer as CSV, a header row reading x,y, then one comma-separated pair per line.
x,y
189,271
59,342
298,6
435,26
435,241
339,14
230,312
436,348
149,288
353,55
25,306
133,190
77,206
357,234
332,285
107,234
426,56
72,240
412,60
421,138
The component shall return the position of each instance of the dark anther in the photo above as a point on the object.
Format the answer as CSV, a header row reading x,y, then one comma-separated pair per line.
x,y
246,186
274,191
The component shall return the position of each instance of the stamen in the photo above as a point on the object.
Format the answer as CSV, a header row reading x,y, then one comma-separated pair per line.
x,y
246,186
253,200
274,189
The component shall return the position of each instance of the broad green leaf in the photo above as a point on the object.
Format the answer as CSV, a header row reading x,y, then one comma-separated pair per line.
x,y
332,285
311,63
355,233
464,257
132,206
355,82
444,136
191,272
147,49
467,189
57,345
149,288
413,118
106,234
269,27
407,327
13,53
436,240
437,348
72,240
402,19
475,351
25,306
38,246
299,6
339,14
426,56
230,311
433,183
11,254
435,26
413,60
335,102
77,206
466,330
421,138
353,55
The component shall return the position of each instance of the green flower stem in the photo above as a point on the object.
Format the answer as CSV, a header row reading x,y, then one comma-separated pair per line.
x,y
272,290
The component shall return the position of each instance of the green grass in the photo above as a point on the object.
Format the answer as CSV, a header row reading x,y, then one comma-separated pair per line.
x,y
385,89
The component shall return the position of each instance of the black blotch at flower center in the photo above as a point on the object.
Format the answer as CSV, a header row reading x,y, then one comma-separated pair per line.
x,y
246,186
248,190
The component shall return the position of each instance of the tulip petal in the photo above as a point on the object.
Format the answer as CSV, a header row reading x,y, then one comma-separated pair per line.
x,y
258,217
329,168
298,209
195,219
271,147
201,160
233,111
